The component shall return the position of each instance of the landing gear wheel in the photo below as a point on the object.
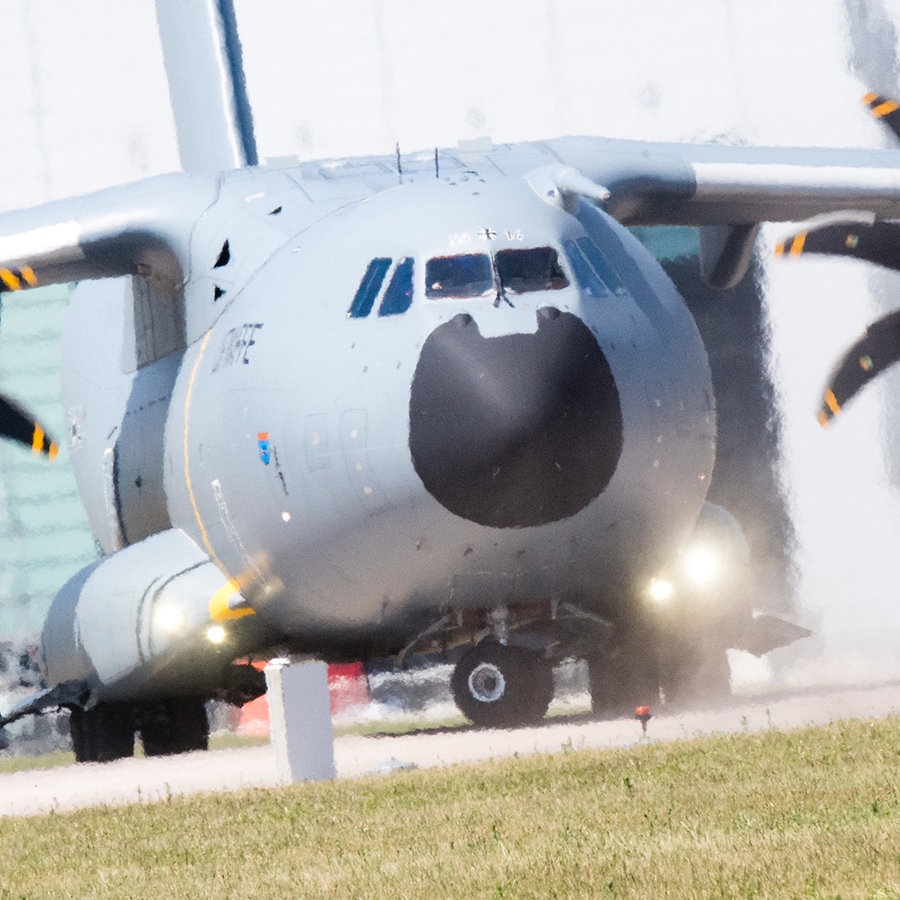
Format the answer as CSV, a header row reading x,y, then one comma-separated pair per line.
x,y
174,726
697,677
499,686
621,680
103,733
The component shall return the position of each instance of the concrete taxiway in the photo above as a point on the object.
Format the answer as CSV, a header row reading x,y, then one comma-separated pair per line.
x,y
147,781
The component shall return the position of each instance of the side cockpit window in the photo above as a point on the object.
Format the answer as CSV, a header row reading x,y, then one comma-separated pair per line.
x,y
369,288
601,266
397,296
399,293
469,275
587,278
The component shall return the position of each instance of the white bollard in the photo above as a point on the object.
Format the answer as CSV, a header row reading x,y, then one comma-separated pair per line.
x,y
300,720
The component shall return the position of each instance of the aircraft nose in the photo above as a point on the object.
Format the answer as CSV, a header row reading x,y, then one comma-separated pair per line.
x,y
517,430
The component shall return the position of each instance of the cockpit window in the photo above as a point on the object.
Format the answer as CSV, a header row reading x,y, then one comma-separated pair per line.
x,y
469,275
536,269
601,266
515,271
586,277
399,293
369,288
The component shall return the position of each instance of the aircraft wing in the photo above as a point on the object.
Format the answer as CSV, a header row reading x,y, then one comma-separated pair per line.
x,y
714,184
143,228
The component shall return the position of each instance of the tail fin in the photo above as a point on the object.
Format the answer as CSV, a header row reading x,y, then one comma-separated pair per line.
x,y
207,87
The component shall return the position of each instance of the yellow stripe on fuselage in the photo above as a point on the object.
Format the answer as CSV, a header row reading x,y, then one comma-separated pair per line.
x,y
187,467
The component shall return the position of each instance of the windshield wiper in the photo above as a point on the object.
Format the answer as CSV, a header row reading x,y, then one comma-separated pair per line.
x,y
498,282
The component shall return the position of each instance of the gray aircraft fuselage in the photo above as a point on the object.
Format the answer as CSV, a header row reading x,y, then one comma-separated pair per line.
x,y
358,471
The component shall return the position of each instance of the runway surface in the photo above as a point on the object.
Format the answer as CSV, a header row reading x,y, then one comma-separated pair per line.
x,y
146,781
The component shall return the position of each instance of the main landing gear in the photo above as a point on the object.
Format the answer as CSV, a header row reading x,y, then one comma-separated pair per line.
x,y
635,671
107,731
500,685
497,685
102,733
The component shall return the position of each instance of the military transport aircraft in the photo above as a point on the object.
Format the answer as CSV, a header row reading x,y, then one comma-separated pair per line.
x,y
388,407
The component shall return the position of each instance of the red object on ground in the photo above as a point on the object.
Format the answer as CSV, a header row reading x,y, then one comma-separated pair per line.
x,y
347,687
642,714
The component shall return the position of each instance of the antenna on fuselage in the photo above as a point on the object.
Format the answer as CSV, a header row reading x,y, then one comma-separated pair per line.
x,y
437,170
399,164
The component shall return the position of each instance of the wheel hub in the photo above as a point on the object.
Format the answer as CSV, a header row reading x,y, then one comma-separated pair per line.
x,y
486,683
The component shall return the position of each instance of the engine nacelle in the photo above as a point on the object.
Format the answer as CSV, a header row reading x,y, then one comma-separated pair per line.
x,y
155,618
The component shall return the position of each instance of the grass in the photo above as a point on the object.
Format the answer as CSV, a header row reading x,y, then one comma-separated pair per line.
x,y
67,757
44,761
807,813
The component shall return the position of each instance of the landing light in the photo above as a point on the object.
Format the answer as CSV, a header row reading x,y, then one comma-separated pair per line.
x,y
170,619
661,590
701,566
215,634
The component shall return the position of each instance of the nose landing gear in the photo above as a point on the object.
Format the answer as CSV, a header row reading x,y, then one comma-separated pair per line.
x,y
497,685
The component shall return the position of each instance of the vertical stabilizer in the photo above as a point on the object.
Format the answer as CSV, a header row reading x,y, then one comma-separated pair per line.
x,y
206,83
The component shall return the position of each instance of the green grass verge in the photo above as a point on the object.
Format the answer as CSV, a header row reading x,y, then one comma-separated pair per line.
x,y
67,757
44,761
807,813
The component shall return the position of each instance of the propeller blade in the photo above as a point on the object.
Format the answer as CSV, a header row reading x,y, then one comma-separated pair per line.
x,y
859,236
885,109
877,350
873,241
21,426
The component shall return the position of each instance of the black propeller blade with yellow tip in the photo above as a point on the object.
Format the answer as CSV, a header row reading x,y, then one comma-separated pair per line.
x,y
885,109
860,236
18,425
868,357
868,239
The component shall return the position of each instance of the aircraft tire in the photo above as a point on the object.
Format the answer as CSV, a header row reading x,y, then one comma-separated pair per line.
x,y
621,680
698,677
498,686
174,726
102,734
